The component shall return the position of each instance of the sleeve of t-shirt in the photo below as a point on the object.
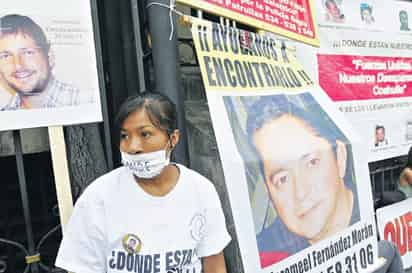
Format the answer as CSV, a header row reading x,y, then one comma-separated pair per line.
x,y
82,249
216,236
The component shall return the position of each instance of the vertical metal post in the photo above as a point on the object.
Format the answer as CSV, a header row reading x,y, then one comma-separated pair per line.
x,y
166,65
393,181
138,45
227,22
24,196
199,13
103,98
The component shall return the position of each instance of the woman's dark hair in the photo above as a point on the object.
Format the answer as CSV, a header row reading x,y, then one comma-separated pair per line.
x,y
159,108
409,162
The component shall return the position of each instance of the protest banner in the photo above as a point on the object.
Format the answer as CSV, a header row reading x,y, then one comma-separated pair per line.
x,y
395,225
370,15
369,78
293,167
366,69
49,74
294,19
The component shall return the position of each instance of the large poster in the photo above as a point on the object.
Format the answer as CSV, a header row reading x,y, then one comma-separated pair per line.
x,y
364,64
292,18
395,225
48,71
369,15
293,166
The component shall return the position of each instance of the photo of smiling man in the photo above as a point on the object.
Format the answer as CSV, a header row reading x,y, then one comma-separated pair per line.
x,y
306,166
26,64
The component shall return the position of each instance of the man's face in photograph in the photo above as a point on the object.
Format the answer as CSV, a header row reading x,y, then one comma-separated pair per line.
x,y
333,9
403,18
302,174
380,134
23,64
132,243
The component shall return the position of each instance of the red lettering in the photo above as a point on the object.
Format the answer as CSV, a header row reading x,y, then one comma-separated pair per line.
x,y
389,233
399,231
401,235
408,222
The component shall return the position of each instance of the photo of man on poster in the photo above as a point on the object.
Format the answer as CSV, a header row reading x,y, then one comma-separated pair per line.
x,y
366,13
380,136
403,20
333,12
26,64
307,168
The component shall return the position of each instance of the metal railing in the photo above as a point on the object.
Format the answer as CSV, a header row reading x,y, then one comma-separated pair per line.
x,y
384,176
30,247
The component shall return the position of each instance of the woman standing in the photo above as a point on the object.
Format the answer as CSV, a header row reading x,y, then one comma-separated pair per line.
x,y
149,215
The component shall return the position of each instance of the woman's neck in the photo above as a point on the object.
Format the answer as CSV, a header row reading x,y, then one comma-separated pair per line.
x,y
162,184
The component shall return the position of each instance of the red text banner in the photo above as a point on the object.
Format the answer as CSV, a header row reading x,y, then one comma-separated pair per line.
x,y
348,77
292,18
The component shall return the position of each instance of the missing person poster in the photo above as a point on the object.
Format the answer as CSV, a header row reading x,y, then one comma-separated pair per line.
x,y
294,19
364,64
370,79
395,225
371,15
48,67
294,168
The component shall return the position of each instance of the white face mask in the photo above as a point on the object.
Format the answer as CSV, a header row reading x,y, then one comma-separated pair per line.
x,y
147,165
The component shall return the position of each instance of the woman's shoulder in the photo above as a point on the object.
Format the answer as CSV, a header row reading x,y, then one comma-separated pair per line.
x,y
194,177
406,174
407,171
103,186
198,184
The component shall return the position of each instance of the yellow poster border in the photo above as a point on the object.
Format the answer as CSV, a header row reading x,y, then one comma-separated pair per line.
x,y
206,6
292,63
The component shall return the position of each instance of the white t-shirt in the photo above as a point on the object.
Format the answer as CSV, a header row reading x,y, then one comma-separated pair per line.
x,y
117,227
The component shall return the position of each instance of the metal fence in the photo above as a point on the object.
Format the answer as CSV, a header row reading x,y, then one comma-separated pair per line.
x,y
29,222
384,176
